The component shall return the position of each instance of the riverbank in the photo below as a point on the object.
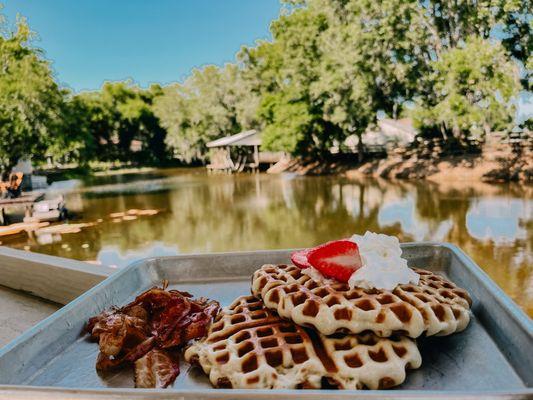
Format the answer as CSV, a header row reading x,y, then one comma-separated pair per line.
x,y
486,167
495,164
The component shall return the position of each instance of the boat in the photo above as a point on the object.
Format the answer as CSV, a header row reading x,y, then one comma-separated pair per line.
x,y
32,207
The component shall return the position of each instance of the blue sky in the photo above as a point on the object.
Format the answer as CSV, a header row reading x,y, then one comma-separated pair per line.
x,y
90,41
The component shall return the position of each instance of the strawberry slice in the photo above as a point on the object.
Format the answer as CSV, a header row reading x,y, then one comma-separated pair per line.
x,y
338,259
299,258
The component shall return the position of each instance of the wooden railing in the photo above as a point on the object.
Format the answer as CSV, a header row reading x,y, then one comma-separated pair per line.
x,y
57,279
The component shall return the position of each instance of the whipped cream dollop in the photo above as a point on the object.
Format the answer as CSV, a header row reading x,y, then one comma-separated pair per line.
x,y
383,265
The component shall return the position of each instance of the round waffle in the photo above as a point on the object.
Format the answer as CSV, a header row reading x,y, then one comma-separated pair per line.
x,y
248,346
435,306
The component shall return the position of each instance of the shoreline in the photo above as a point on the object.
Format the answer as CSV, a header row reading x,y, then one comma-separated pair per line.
x,y
475,168
493,168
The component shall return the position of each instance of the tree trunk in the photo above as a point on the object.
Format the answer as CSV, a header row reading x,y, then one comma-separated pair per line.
x,y
443,132
360,148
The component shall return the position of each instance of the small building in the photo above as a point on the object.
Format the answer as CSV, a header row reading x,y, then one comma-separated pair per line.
x,y
136,145
238,152
391,133
388,134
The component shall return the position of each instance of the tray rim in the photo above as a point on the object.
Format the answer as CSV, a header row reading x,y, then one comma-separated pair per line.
x,y
503,299
133,393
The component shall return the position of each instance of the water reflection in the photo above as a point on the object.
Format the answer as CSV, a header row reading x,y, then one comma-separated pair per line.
x,y
201,213
502,220
404,212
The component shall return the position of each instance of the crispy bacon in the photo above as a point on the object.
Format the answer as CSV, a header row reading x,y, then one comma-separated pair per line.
x,y
167,319
146,330
157,369
137,311
105,362
115,331
193,326
211,307
94,320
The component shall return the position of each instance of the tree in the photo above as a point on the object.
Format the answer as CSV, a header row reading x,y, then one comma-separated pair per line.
x,y
74,140
357,78
473,86
346,60
381,46
139,122
516,21
391,49
283,72
212,103
115,116
30,100
287,122
90,113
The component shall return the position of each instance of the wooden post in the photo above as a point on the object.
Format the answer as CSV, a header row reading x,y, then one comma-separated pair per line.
x,y
256,157
231,164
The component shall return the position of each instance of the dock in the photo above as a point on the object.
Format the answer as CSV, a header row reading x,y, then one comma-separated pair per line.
x,y
19,203
32,207
240,152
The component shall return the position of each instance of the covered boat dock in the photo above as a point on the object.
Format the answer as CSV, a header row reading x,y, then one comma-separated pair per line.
x,y
238,152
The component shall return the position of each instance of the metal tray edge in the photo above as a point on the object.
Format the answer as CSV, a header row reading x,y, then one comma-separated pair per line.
x,y
14,391
503,299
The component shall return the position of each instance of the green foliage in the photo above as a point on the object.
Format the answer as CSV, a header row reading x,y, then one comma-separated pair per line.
x,y
334,64
73,140
283,73
516,19
104,124
287,122
30,100
473,86
374,54
213,102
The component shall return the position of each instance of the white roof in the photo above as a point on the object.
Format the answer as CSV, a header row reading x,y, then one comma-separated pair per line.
x,y
395,131
246,138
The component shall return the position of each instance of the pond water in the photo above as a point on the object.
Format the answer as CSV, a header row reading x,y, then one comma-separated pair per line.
x,y
198,212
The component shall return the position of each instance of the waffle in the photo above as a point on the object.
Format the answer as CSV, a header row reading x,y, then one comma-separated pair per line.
x,y
249,346
435,306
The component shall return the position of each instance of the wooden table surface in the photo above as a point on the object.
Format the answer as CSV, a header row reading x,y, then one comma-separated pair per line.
x,y
20,312
34,286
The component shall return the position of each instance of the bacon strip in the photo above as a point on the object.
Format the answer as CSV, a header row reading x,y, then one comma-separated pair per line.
x,y
157,369
144,330
105,363
117,331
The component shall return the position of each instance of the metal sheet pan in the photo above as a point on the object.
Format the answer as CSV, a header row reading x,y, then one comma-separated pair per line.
x,y
492,358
